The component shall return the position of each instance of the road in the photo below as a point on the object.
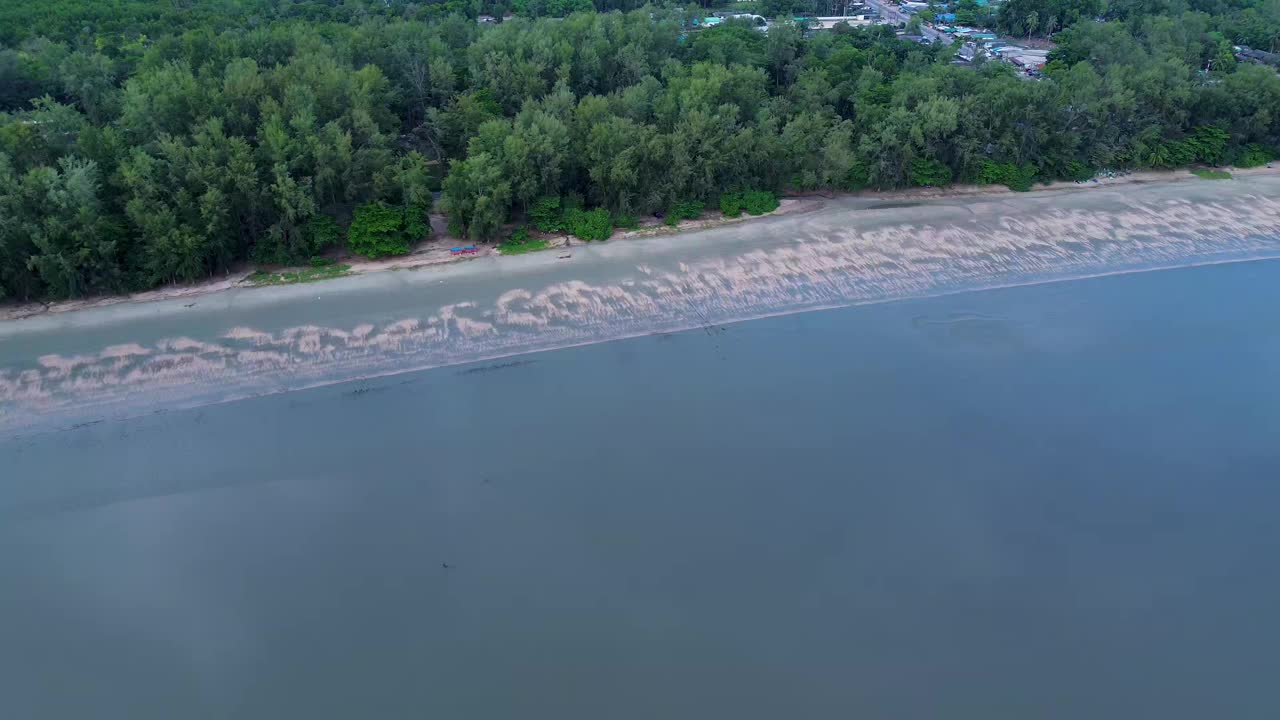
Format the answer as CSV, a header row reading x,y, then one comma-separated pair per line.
x,y
895,14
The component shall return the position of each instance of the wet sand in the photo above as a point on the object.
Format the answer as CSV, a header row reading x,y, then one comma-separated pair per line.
x,y
59,370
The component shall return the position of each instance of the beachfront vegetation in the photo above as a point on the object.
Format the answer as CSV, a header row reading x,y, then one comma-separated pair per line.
x,y
550,214
528,246
754,202
146,142
519,242
290,277
588,225
684,210
1017,177
378,230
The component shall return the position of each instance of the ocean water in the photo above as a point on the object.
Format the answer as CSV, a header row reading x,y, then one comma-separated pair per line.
x,y
1055,501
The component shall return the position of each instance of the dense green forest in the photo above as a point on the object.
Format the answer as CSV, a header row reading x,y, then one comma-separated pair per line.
x,y
145,142
1255,23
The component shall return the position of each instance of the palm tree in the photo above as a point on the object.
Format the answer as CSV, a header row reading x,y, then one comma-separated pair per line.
x,y
1050,24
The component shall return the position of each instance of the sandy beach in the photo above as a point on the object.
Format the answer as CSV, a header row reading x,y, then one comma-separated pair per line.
x,y
113,359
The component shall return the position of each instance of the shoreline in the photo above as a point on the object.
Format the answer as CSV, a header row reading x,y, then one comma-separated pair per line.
x,y
434,252
129,359
586,343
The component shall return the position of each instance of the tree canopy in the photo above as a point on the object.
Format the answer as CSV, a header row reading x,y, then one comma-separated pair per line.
x,y
145,142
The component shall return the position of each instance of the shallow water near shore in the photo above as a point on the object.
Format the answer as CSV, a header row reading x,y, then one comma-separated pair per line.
x,y
1054,501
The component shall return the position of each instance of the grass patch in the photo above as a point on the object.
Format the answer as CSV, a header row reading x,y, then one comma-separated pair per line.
x,y
512,248
755,202
687,210
1211,174
311,274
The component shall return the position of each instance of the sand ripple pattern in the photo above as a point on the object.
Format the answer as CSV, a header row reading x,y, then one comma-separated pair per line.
x,y
819,268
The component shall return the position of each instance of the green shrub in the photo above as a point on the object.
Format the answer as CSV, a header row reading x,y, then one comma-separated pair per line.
x,y
626,221
290,248
1208,174
1208,144
731,204
511,248
378,230
1015,177
554,214
1079,171
1023,178
546,214
519,235
1253,156
588,225
319,262
263,277
1165,154
686,210
759,202
929,173
416,223
321,232
1204,144
859,176
755,202
992,173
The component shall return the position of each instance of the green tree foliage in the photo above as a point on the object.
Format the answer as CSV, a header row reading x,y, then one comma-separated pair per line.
x,y
588,224
684,210
1208,144
1020,177
546,214
550,214
927,172
1030,17
550,8
732,43
790,8
477,197
321,232
967,12
378,230
1254,155
70,247
754,202
144,143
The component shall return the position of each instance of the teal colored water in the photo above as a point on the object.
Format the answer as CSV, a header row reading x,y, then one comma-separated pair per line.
x,y
1054,502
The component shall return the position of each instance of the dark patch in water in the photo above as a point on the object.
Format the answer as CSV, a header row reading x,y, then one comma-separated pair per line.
x,y
969,329
496,367
923,321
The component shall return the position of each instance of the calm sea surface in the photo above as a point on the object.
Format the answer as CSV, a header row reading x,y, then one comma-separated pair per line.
x,y
1059,501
